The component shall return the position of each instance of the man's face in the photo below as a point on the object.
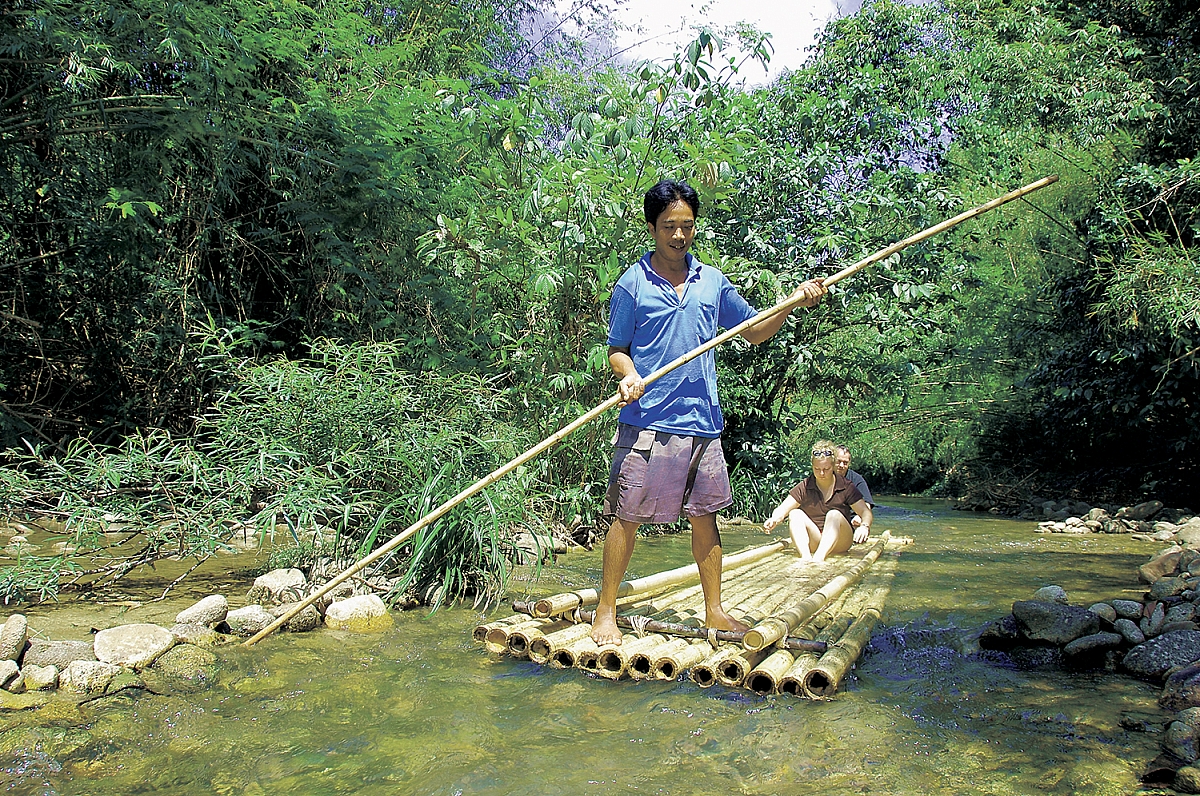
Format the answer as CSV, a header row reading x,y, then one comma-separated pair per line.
x,y
841,463
674,232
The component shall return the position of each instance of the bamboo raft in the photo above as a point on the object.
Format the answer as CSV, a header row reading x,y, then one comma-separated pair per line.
x,y
809,623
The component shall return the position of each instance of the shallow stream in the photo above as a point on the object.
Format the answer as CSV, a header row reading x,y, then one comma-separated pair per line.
x,y
422,709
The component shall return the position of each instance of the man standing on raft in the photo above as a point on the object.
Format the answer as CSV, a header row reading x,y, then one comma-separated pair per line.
x,y
668,457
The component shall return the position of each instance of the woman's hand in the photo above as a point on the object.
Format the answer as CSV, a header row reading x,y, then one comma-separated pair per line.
x,y
861,533
770,524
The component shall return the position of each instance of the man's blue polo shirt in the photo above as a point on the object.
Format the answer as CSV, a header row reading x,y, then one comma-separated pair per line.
x,y
657,325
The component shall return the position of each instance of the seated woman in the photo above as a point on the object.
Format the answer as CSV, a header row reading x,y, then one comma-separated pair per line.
x,y
819,510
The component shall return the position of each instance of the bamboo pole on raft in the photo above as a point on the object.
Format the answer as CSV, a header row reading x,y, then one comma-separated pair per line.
x,y
777,626
614,400
821,681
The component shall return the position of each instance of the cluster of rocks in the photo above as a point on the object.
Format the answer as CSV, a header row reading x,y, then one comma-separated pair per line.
x,y
1156,638
148,656
1147,520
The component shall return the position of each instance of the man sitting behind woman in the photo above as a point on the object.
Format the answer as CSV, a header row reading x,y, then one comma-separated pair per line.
x,y
820,508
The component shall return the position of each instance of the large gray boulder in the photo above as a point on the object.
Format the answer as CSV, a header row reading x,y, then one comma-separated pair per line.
x,y
88,677
278,586
1189,533
1053,623
59,654
1140,512
1159,655
1182,689
132,646
362,614
209,611
246,622
13,636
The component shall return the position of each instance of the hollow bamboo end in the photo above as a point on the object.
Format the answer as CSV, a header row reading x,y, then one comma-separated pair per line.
x,y
819,685
761,683
703,676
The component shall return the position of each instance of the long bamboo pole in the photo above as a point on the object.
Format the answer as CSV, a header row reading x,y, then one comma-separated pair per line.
x,y
588,417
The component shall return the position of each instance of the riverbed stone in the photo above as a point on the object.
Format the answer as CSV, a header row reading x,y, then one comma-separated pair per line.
x,y
1127,609
209,611
1189,533
1181,612
246,622
1054,623
1091,649
1129,631
308,619
360,614
198,635
1182,738
1187,780
1159,655
1182,689
1000,634
1140,512
1152,625
1052,594
57,653
10,677
187,662
87,677
1166,587
1161,565
1105,611
133,646
13,636
40,678
278,586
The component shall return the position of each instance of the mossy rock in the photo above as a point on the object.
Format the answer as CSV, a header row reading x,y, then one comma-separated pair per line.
x,y
57,742
183,668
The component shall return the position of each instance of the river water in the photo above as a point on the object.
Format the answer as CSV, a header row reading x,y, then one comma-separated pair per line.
x,y
422,709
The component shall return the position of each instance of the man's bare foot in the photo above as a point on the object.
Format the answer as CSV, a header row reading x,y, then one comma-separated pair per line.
x,y
719,620
605,630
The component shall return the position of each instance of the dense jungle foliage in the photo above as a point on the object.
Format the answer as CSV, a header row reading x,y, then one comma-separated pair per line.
x,y
306,265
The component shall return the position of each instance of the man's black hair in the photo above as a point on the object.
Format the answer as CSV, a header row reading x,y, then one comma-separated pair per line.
x,y
667,192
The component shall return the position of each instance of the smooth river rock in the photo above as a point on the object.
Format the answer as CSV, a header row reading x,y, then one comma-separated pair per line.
x,y
133,646
1182,689
208,612
1131,632
1157,656
1189,533
247,621
88,677
1160,566
361,614
1054,623
1169,586
59,654
13,636
187,662
278,586
40,678
1127,609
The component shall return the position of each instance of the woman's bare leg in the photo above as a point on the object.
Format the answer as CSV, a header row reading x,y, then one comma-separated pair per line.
x,y
805,535
836,537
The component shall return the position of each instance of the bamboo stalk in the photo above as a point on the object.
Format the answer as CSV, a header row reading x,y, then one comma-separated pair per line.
x,y
541,648
704,673
614,661
497,638
792,681
656,583
764,678
613,400
520,640
567,655
670,664
480,632
641,663
821,681
733,670
779,625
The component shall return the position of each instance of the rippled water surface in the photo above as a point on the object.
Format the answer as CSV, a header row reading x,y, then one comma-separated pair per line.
x,y
421,709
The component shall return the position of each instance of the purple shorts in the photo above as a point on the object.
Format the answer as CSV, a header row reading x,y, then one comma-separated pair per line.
x,y
658,477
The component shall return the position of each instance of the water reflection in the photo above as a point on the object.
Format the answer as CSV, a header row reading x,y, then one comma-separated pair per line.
x,y
422,710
